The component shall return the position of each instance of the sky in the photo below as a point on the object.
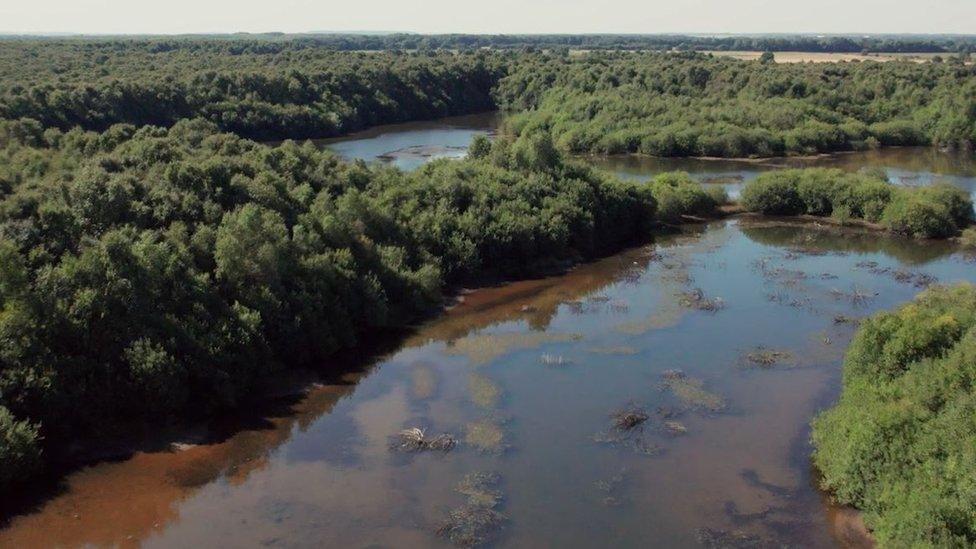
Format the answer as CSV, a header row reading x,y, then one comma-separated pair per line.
x,y
489,16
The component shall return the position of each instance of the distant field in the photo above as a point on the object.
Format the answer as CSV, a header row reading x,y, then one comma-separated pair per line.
x,y
816,57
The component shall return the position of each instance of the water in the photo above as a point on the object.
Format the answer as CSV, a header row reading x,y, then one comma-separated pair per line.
x,y
526,376
407,146
904,166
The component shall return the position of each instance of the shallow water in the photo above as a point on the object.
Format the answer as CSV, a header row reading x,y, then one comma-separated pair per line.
x,y
321,472
526,376
407,146
904,166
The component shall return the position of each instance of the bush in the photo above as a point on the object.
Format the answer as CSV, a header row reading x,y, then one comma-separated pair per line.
x,y
900,442
918,215
20,452
937,211
968,238
677,195
773,193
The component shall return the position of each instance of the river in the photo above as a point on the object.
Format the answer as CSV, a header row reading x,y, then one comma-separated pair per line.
x,y
722,341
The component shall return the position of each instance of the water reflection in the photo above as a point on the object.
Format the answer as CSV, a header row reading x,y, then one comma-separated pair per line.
x,y
408,146
321,472
903,165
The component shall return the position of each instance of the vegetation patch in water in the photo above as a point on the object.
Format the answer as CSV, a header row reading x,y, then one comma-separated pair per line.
x,y
487,435
711,538
626,431
483,348
900,442
415,439
483,391
696,299
690,391
477,521
610,489
550,359
915,278
763,357
623,350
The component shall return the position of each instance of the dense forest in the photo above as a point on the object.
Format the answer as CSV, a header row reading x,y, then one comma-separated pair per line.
x,y
662,104
292,93
144,269
901,443
696,105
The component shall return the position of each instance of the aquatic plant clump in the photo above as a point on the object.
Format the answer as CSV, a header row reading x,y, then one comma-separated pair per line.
x,y
631,418
415,440
691,393
626,431
554,360
696,299
477,521
487,435
763,357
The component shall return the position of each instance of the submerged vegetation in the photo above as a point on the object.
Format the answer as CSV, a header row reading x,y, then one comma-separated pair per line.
x,y
900,443
477,521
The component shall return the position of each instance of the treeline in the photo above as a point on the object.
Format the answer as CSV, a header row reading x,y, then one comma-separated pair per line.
x,y
697,105
278,42
901,443
662,104
937,211
283,93
150,273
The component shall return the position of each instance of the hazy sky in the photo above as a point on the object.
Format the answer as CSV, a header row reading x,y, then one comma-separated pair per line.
x,y
489,16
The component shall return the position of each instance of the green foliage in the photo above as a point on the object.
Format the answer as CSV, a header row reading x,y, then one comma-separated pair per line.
x,y
20,452
774,193
684,104
261,91
677,195
901,443
151,273
968,238
938,211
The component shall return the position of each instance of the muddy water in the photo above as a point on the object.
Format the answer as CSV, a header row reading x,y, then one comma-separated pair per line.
x,y
526,377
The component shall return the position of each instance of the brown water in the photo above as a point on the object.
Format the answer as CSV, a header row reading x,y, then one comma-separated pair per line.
x,y
319,471
526,376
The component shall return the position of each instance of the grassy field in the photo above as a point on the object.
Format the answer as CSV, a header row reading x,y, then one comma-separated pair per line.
x,y
816,57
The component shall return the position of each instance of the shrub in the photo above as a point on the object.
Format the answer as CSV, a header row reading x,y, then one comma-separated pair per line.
x,y
968,238
937,211
900,442
918,215
20,453
677,194
773,193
